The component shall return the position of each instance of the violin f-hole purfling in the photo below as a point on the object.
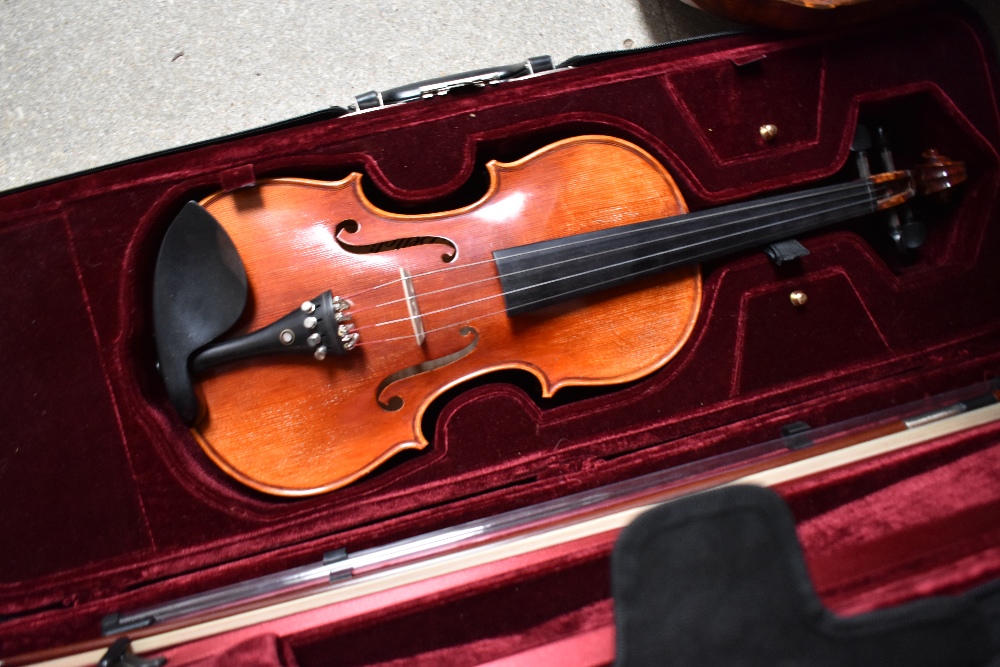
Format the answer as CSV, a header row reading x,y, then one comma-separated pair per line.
x,y
579,266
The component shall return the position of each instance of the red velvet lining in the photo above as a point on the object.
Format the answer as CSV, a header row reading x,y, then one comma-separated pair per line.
x,y
724,102
507,610
320,631
110,505
259,651
902,538
910,524
919,534
589,649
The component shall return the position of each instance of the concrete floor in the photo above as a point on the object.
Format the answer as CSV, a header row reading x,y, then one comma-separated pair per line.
x,y
85,83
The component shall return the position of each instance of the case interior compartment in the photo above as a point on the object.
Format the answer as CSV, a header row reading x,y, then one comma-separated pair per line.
x,y
109,504
869,539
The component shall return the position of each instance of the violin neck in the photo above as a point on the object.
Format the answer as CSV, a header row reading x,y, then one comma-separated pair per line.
x,y
540,274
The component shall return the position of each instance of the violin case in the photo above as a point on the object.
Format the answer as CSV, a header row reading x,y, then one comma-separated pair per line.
x,y
109,504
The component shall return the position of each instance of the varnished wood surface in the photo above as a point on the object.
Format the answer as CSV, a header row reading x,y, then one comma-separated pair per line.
x,y
298,427
804,14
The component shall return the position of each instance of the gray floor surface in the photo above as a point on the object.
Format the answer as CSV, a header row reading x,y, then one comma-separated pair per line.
x,y
85,83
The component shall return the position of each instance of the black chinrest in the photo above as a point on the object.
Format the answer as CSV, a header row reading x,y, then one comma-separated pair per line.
x,y
199,292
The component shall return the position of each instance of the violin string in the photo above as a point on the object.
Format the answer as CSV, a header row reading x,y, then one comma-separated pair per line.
x,y
866,186
594,270
863,184
604,252
573,259
651,270
502,311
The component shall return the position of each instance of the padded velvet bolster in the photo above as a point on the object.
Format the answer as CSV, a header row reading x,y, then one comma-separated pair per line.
x,y
719,579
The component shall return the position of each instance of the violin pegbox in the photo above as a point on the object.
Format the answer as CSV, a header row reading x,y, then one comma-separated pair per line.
x,y
935,175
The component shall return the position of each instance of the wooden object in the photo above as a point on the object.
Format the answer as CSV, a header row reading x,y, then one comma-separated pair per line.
x,y
297,427
575,267
803,14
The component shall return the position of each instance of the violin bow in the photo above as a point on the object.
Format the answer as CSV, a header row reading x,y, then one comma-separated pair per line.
x,y
560,526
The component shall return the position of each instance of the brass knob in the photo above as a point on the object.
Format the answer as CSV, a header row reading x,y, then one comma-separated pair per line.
x,y
798,298
768,132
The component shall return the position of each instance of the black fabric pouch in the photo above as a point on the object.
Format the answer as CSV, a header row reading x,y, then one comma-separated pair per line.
x,y
719,579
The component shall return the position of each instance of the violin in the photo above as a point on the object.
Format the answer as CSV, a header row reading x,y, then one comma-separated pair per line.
x,y
579,266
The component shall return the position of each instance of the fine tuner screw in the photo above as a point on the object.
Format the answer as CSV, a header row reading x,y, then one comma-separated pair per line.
x,y
350,341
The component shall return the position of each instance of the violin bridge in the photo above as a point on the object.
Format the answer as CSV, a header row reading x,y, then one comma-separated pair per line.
x,y
411,306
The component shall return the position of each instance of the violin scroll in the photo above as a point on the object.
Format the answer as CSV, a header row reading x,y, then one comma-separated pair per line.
x,y
935,175
938,173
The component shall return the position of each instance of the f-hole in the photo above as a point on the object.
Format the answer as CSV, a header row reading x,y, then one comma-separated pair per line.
x,y
396,402
350,226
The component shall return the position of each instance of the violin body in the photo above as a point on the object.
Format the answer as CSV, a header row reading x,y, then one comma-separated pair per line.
x,y
296,426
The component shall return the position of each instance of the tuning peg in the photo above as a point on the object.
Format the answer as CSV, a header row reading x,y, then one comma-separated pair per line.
x,y
913,235
860,146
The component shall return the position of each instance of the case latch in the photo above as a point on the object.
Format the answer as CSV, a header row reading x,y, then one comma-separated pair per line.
x,y
479,78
